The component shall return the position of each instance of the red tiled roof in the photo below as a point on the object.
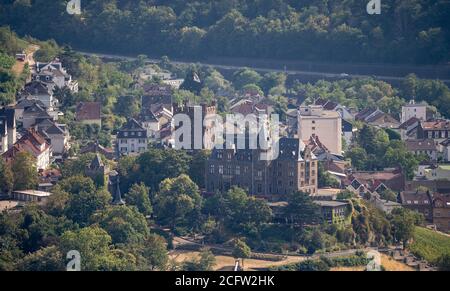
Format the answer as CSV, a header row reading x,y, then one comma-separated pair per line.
x,y
435,125
89,111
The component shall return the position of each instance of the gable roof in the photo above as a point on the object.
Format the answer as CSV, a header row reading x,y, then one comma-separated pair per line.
x,y
88,111
38,88
409,122
31,141
424,145
132,126
436,125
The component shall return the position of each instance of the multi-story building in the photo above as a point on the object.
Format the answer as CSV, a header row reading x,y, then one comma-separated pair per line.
x,y
132,138
313,120
438,130
441,212
54,73
416,110
35,144
426,147
295,169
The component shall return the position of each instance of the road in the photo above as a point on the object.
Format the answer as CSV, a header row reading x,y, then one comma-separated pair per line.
x,y
318,75
19,65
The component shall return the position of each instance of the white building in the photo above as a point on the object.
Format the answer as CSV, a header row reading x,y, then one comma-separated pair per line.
x,y
412,109
326,124
55,73
132,138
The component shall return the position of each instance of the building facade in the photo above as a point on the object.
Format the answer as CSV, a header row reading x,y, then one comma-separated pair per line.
x,y
326,124
132,138
295,169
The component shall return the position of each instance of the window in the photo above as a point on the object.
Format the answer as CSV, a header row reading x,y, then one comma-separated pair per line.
x,y
125,134
260,174
211,169
220,169
123,141
238,170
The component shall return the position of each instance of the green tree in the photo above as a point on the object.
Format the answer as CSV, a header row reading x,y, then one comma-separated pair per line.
x,y
46,259
178,201
25,172
301,209
154,250
94,245
6,177
124,224
241,250
403,223
245,77
139,196
325,179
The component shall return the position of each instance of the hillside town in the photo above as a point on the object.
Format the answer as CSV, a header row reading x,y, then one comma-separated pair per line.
x,y
150,164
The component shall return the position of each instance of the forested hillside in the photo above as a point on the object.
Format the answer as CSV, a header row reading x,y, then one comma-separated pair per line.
x,y
407,31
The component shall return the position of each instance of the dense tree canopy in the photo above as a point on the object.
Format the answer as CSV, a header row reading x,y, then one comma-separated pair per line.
x,y
407,31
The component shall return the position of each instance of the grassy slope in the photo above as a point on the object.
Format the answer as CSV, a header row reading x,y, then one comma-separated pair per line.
x,y
429,244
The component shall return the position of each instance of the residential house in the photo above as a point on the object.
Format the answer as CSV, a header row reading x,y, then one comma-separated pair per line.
x,y
54,73
40,91
151,123
434,206
378,118
96,147
327,125
334,212
440,186
441,212
409,128
375,182
295,169
438,130
334,106
8,133
419,201
156,95
33,114
426,147
35,144
56,134
89,113
416,110
132,138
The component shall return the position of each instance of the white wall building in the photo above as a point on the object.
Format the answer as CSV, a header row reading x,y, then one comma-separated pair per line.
x,y
412,109
326,124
